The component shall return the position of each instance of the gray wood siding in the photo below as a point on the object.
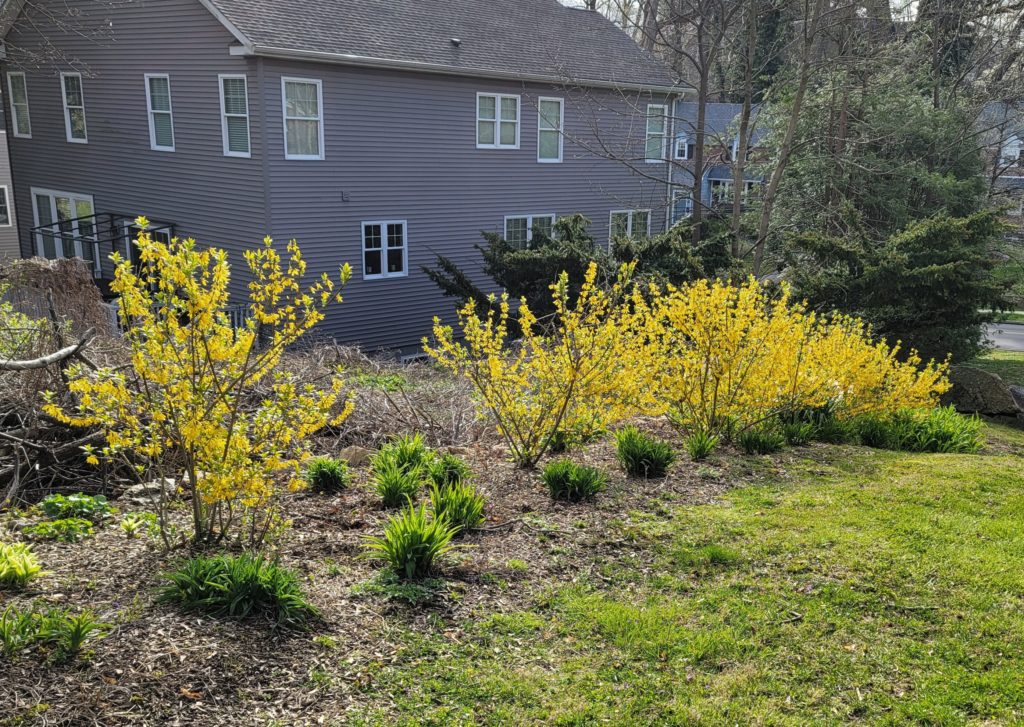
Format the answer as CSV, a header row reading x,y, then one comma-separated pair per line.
x,y
216,198
398,145
402,146
8,233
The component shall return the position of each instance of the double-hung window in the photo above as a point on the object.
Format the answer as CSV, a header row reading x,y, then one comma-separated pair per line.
x,y
1013,150
721,191
303,103
497,121
234,110
5,210
550,119
657,126
629,223
161,118
519,228
74,107
682,204
17,87
385,249
682,150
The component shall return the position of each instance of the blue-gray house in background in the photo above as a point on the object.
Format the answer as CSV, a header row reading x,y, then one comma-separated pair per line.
x,y
379,133
721,142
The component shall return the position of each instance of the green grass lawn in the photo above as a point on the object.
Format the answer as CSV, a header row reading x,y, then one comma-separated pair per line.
x,y
849,585
1008,364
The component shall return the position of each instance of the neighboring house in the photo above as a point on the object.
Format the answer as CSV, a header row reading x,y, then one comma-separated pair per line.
x,y
1002,129
721,143
8,227
376,133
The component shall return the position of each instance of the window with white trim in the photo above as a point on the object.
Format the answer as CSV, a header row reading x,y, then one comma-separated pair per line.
x,y
684,148
385,249
74,107
682,204
161,117
1013,151
5,210
550,119
65,226
234,114
721,191
629,223
302,101
519,229
657,125
497,121
17,88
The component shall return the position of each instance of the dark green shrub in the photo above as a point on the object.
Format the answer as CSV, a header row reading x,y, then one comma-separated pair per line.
x,y
447,470
699,444
396,484
413,541
763,439
875,431
94,508
18,565
459,503
641,455
567,480
327,475
834,431
238,587
69,530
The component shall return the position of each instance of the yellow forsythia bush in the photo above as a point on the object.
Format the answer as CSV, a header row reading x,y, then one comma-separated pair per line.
x,y
571,372
712,356
186,408
727,357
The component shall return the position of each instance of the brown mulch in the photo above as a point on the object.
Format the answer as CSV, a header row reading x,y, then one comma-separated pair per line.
x,y
160,667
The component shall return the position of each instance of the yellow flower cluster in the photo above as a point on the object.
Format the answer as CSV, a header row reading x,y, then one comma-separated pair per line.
x,y
713,356
187,402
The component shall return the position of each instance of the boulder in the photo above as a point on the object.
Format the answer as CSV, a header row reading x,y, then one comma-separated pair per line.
x,y
147,492
1017,392
979,392
355,455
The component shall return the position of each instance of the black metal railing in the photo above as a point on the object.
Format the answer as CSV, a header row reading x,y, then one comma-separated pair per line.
x,y
93,238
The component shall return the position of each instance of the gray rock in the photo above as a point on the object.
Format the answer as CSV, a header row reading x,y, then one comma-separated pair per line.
x,y
979,392
355,455
146,492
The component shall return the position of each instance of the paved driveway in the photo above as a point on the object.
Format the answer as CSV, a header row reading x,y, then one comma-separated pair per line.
x,y
1006,336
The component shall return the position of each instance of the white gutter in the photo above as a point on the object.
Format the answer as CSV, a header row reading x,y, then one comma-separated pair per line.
x,y
401,65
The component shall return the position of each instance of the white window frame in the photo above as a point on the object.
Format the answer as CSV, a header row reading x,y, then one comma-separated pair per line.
x,y
652,114
319,118
1012,150
678,194
629,221
7,203
560,131
384,274
67,109
727,183
150,111
224,115
685,156
37,244
497,120
529,225
18,132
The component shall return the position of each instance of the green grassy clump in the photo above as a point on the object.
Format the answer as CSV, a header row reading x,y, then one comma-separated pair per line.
x,y
238,587
761,439
860,587
940,429
395,484
413,541
642,455
93,508
567,480
18,565
57,631
700,444
327,475
407,452
68,530
460,504
447,470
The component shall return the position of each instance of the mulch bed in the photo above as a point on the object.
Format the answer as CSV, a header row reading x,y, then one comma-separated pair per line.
x,y
160,667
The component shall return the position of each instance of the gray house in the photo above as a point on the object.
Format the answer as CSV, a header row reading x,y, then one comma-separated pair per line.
x,y
9,247
721,143
379,133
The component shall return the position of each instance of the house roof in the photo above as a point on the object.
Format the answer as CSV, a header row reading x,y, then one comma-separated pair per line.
x,y
720,119
532,40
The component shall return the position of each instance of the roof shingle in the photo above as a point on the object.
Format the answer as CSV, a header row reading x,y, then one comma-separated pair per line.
x,y
532,39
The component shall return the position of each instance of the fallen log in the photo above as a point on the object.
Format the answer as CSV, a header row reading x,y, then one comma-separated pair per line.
x,y
49,360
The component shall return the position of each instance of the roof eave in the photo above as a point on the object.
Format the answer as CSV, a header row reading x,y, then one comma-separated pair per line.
x,y
395,64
